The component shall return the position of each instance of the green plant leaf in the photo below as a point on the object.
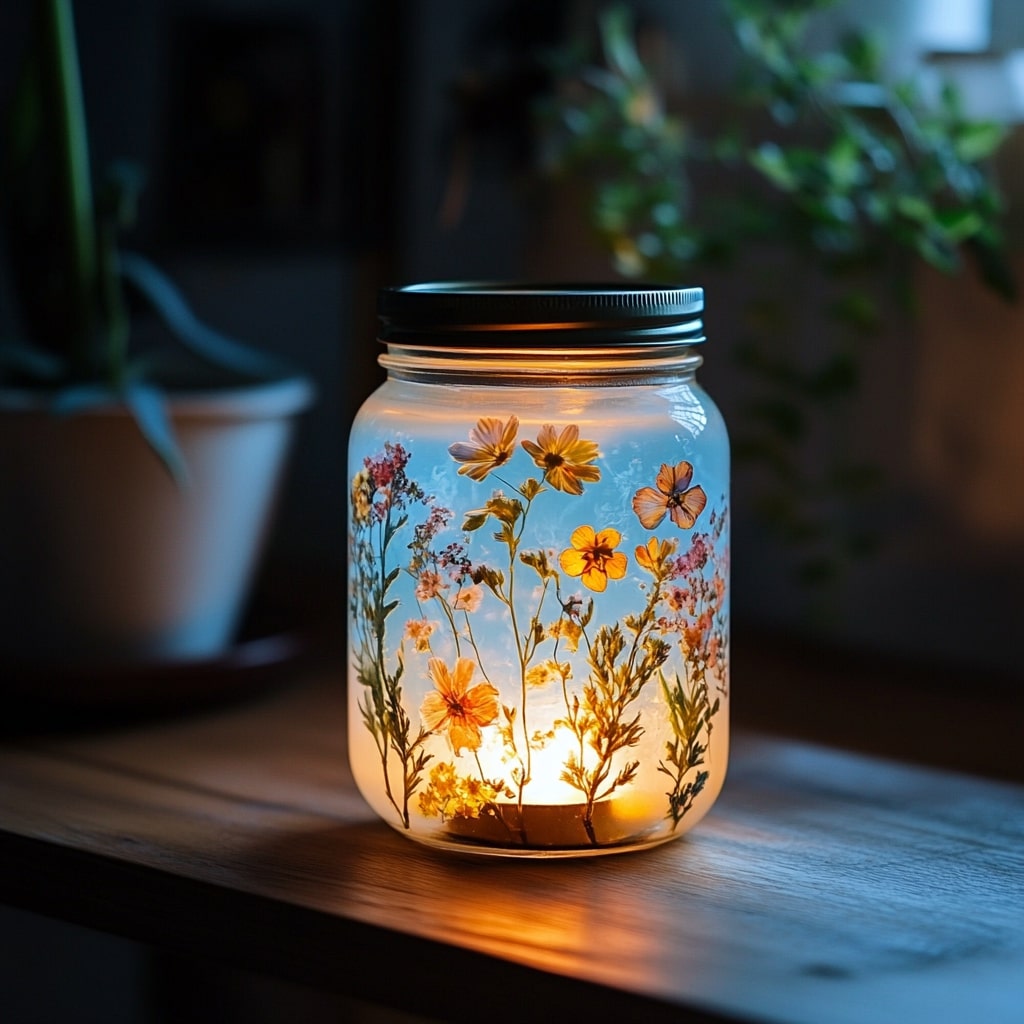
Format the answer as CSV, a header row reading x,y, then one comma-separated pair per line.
x,y
80,397
46,190
842,163
617,39
147,405
978,140
771,161
23,360
960,223
210,345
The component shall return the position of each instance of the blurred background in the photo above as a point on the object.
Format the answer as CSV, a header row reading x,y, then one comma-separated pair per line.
x,y
300,154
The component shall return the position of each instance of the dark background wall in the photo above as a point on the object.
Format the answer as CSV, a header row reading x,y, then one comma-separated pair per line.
x,y
300,153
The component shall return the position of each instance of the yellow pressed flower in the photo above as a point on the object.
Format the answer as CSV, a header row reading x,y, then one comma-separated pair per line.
x,y
491,443
564,458
546,672
449,795
593,557
568,630
362,496
456,706
651,556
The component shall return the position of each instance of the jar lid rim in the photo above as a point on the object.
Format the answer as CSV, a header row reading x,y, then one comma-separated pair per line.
x,y
590,313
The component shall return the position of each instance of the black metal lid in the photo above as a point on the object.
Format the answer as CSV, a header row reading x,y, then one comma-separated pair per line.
x,y
511,315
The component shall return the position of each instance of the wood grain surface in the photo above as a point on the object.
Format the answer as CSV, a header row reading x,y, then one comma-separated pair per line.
x,y
823,887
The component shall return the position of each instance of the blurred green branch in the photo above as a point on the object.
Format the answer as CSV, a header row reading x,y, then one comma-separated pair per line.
x,y
835,179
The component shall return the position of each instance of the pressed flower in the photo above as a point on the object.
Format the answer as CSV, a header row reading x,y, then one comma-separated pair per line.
x,y
568,630
593,557
468,598
362,496
547,672
419,632
673,496
693,638
714,648
491,443
428,585
564,458
651,556
695,559
462,710
449,795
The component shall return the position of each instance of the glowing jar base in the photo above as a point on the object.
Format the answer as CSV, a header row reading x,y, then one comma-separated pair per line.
x,y
635,820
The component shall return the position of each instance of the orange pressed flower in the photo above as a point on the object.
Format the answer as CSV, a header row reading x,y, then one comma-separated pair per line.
x,y
674,496
456,706
564,458
419,632
652,556
593,557
490,445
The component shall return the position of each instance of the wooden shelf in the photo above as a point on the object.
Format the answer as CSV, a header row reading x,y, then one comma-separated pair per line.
x,y
824,885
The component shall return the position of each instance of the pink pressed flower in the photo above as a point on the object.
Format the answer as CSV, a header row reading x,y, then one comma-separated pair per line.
x,y
428,585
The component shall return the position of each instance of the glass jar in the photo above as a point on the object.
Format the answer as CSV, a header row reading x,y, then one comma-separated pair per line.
x,y
538,570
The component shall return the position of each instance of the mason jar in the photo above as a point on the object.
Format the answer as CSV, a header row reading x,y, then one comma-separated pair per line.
x,y
539,570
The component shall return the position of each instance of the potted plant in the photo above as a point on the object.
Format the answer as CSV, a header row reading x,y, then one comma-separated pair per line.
x,y
138,478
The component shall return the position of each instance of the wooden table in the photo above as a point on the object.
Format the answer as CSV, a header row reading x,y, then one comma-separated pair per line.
x,y
824,886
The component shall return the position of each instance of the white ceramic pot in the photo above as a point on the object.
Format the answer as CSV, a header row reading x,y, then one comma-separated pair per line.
x,y
103,557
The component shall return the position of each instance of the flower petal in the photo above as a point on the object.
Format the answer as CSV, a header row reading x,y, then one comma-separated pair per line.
x,y
433,710
689,506
674,479
464,668
616,566
439,675
572,562
481,703
563,480
583,538
644,555
464,734
607,538
650,507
